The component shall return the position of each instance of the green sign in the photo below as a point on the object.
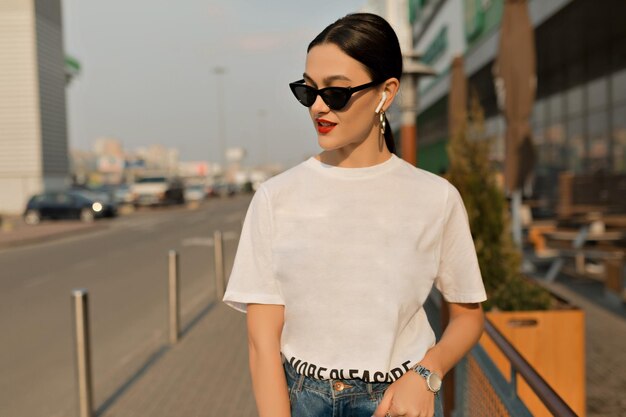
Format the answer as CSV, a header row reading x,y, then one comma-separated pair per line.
x,y
437,47
413,10
481,17
474,18
72,65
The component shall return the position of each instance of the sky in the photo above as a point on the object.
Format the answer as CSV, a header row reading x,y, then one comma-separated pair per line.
x,y
148,74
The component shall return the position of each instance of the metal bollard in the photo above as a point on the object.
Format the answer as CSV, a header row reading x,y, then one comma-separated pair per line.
x,y
80,306
219,264
173,296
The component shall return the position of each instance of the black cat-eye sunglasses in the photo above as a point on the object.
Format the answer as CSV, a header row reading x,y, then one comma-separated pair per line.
x,y
335,97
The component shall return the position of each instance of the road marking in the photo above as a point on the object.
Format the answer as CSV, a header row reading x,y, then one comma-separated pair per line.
x,y
196,219
38,281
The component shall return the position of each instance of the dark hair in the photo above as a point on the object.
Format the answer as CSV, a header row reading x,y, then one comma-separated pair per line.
x,y
369,39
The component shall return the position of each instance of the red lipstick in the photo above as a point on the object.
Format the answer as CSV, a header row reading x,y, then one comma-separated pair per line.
x,y
324,126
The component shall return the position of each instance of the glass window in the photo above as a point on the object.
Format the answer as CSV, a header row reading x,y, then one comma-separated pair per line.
x,y
575,101
555,134
62,198
576,72
553,146
597,126
496,131
555,104
619,139
618,87
538,135
575,144
49,198
539,113
597,94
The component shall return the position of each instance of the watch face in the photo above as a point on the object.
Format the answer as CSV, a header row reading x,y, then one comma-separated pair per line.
x,y
434,382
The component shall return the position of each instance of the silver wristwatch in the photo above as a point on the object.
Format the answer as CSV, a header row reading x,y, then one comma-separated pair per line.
x,y
433,380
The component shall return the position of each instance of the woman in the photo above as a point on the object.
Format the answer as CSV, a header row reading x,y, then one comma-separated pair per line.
x,y
338,254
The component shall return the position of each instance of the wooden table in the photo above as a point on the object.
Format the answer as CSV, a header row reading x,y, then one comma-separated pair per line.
x,y
571,235
578,238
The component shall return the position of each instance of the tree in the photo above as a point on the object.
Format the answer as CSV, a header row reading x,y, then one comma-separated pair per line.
x,y
471,172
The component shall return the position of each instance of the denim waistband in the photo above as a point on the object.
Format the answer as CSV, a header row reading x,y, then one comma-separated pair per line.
x,y
332,387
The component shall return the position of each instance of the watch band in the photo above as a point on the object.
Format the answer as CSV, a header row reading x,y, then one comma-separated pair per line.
x,y
433,381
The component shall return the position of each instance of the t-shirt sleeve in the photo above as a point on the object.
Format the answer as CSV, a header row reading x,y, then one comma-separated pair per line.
x,y
252,279
458,277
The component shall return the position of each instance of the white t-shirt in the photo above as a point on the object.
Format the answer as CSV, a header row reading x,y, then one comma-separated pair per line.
x,y
352,254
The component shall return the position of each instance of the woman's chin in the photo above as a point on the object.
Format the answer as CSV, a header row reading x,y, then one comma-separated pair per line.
x,y
328,143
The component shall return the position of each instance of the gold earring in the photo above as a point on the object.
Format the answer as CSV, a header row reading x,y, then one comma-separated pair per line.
x,y
383,122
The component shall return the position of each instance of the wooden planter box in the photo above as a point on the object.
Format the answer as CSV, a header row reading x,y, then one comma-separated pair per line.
x,y
553,342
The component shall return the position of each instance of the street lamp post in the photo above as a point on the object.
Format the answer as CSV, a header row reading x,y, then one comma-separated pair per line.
x,y
412,70
221,128
264,154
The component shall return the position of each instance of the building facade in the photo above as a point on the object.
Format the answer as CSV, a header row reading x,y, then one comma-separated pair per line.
x,y
579,116
33,130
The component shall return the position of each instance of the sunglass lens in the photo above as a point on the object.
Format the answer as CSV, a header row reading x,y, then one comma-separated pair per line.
x,y
305,94
336,98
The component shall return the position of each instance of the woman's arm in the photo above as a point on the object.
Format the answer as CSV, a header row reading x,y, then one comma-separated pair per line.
x,y
463,331
409,395
265,325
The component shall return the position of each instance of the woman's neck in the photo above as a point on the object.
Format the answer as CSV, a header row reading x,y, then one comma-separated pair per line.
x,y
364,154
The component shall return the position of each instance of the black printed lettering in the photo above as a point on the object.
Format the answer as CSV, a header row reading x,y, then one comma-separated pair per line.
x,y
405,365
334,374
311,372
379,377
302,369
396,372
366,376
319,372
354,373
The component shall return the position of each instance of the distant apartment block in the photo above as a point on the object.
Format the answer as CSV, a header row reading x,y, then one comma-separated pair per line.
x,y
33,130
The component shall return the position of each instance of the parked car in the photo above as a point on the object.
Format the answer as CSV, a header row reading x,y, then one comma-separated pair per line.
x,y
152,191
223,189
109,206
117,193
70,204
195,192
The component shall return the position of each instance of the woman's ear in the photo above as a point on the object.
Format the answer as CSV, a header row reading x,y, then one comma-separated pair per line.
x,y
391,88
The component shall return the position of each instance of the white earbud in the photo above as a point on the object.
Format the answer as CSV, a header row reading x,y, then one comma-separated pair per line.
x,y
382,101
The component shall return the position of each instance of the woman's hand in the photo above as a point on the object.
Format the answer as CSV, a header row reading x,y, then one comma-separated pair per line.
x,y
408,396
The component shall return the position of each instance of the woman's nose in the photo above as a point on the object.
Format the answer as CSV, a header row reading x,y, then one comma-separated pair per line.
x,y
319,106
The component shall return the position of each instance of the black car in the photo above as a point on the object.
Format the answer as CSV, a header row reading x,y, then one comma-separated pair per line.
x,y
66,205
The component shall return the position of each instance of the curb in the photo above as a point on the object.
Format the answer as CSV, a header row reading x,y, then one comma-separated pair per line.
x,y
60,234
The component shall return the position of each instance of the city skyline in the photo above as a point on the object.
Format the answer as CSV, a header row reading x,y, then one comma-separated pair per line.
x,y
150,75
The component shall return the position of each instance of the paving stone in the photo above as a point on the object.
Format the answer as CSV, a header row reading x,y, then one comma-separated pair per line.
x,y
206,374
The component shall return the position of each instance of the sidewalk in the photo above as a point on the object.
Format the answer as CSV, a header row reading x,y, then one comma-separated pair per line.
x,y
605,336
206,373
14,232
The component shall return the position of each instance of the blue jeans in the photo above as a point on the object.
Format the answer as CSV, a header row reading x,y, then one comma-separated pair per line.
x,y
310,397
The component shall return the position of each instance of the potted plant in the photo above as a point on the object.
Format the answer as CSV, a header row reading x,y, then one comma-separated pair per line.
x,y
546,330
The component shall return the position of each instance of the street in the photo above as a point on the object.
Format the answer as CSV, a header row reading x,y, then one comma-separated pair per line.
x,y
124,268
